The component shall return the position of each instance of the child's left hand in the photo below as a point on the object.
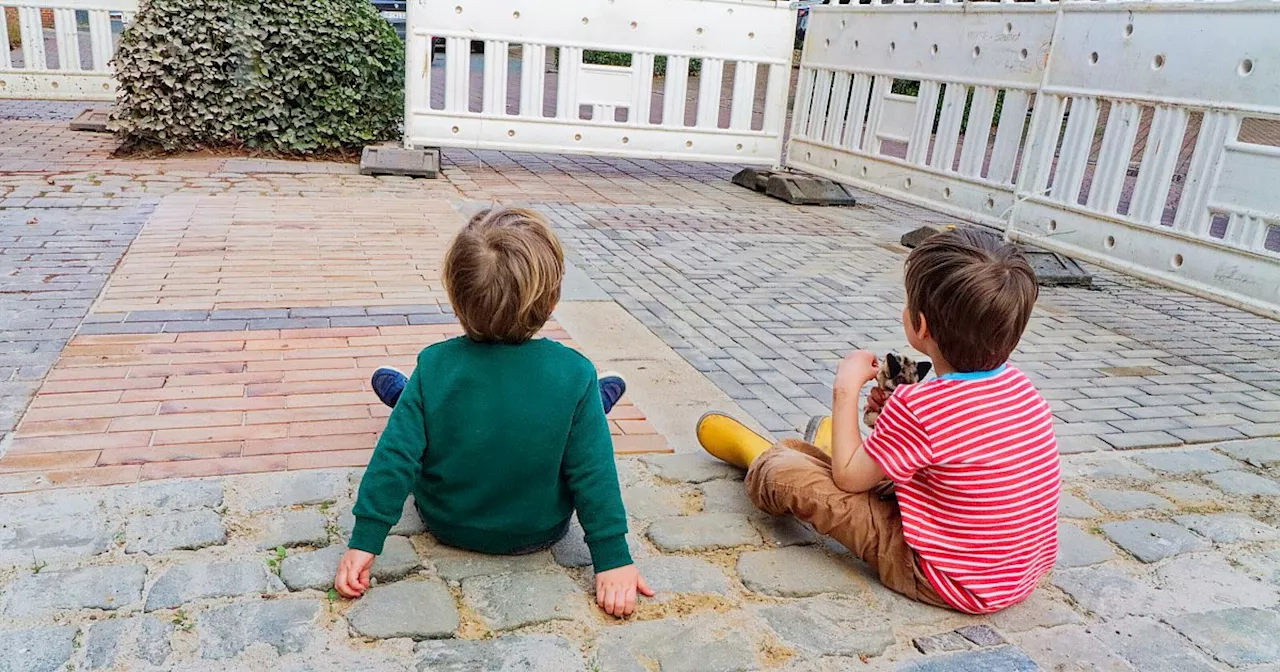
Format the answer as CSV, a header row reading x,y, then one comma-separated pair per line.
x,y
856,370
616,590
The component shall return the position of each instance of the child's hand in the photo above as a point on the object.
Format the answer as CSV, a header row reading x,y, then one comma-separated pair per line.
x,y
855,370
353,573
876,399
616,590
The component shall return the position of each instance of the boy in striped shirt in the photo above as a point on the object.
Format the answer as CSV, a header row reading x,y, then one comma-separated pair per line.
x,y
971,453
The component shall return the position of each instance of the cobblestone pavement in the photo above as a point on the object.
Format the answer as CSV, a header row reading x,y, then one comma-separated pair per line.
x,y
1167,408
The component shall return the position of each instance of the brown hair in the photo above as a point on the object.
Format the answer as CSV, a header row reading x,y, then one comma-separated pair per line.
x,y
503,274
976,293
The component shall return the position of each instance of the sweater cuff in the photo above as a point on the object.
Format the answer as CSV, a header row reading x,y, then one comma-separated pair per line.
x,y
369,535
610,553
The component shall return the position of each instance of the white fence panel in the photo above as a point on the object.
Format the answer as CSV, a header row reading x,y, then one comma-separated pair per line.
x,y
1202,211
937,75
730,106
65,48
1143,136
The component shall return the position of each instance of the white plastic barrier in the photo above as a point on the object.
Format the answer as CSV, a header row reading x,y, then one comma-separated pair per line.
x,y
1108,131
531,90
69,60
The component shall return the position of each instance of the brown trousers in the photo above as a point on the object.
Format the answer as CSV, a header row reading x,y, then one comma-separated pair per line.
x,y
794,479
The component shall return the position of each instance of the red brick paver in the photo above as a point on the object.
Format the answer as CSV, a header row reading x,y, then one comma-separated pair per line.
x,y
124,408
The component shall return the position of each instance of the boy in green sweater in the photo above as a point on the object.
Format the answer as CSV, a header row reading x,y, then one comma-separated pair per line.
x,y
500,436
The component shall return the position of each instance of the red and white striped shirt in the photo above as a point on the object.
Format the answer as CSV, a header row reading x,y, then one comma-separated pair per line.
x,y
977,472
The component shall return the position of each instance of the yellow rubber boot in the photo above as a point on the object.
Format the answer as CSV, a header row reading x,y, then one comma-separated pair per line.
x,y
818,432
730,440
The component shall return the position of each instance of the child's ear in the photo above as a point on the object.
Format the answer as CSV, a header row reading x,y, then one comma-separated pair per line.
x,y
894,365
923,369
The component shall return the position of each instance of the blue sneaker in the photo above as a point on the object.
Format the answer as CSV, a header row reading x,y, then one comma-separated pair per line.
x,y
388,383
612,387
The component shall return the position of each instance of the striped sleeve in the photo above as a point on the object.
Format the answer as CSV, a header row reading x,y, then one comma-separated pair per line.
x,y
898,442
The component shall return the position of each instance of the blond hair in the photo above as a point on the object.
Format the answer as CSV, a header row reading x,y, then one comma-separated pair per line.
x,y
503,274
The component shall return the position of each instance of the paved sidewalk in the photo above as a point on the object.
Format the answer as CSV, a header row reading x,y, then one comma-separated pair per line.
x,y
236,332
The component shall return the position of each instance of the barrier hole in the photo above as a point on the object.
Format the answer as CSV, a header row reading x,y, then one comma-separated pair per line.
x,y
1093,58
907,183
585,20
1128,30
457,10
843,23
946,193
915,25
856,44
991,204
933,50
577,136
455,129
739,147
1110,242
1218,227
835,163
625,139
1008,28
515,15
977,51
688,143
1246,67
511,133
634,25
1157,62
1176,262
751,36
1024,54
1053,225
893,45
699,31
826,43
808,155
863,171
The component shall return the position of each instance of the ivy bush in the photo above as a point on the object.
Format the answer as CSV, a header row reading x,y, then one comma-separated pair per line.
x,y
287,77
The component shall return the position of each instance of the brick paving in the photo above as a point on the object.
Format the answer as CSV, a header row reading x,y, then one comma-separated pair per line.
x,y
53,264
124,408
1171,555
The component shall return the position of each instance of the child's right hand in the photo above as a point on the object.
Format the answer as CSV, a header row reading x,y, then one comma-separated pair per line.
x,y
876,399
616,590
353,573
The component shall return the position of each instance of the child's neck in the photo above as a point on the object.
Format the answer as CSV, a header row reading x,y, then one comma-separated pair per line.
x,y
940,365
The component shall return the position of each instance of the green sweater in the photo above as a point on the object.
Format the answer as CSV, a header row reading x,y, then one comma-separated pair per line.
x,y
499,445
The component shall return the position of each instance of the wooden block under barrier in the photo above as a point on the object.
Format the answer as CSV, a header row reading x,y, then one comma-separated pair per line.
x,y
93,120
400,161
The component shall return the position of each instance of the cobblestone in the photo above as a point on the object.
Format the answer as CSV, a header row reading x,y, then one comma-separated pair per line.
x,y
690,468
796,571
1077,548
56,539
513,653
1187,461
941,643
1148,645
49,592
37,649
315,569
674,574
1188,494
284,625
143,638
294,528
702,532
1228,528
1150,541
824,628
725,497
196,581
668,643
1258,452
1124,501
510,601
1237,637
647,503
456,565
174,531
1005,658
1070,647
1070,506
415,609
1244,484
